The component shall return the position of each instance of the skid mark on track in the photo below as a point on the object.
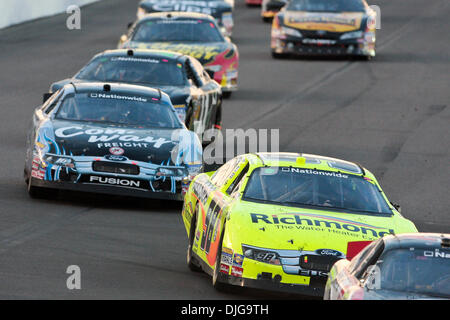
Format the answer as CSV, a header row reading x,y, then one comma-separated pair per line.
x,y
391,151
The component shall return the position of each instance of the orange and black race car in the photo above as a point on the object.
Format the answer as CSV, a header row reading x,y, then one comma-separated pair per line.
x,y
324,27
269,8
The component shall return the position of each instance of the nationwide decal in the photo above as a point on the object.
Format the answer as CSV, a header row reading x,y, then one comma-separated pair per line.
x,y
100,135
315,172
206,7
131,59
117,97
305,221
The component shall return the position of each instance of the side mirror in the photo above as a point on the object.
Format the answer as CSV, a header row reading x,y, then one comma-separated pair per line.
x,y
46,96
129,25
397,207
228,39
210,73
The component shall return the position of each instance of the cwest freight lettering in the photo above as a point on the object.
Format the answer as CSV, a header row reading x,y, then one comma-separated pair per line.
x,y
299,219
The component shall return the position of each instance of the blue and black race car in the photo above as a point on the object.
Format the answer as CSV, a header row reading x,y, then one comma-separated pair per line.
x,y
110,138
196,97
221,10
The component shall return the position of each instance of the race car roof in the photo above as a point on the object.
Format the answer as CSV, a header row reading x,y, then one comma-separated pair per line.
x,y
176,14
118,88
148,53
417,240
307,161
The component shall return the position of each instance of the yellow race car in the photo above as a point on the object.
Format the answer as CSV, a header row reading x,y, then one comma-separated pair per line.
x,y
279,221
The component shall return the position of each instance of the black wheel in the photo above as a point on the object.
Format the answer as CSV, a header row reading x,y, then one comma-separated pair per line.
x,y
192,263
40,193
265,19
226,94
219,286
277,55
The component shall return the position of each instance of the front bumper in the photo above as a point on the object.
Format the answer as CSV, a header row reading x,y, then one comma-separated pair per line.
x,y
228,81
314,289
319,47
107,189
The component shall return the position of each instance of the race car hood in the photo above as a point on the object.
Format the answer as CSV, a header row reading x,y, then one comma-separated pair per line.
x,y
213,8
204,52
292,228
97,140
326,21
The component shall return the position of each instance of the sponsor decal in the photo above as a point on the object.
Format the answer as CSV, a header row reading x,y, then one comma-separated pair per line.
x,y
226,258
317,222
238,260
133,59
237,271
117,97
104,137
206,7
315,172
329,22
38,174
115,181
197,51
112,157
224,268
116,151
437,254
329,252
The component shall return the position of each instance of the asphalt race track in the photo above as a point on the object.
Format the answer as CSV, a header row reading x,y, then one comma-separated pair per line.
x,y
392,115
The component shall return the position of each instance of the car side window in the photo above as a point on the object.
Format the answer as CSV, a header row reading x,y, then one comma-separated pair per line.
x,y
234,185
191,74
197,66
221,176
51,103
369,259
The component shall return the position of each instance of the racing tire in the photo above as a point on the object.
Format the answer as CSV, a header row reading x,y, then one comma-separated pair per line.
x,y
266,19
278,55
219,286
227,94
40,193
192,263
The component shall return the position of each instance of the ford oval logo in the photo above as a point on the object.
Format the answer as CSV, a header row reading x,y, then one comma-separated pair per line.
x,y
329,252
112,157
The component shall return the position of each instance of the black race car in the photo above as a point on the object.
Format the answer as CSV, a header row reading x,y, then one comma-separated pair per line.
x,y
324,27
110,138
196,97
219,9
190,33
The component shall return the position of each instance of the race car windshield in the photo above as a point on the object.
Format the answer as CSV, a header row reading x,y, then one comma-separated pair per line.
x,y
177,30
315,188
135,70
121,109
326,5
414,270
